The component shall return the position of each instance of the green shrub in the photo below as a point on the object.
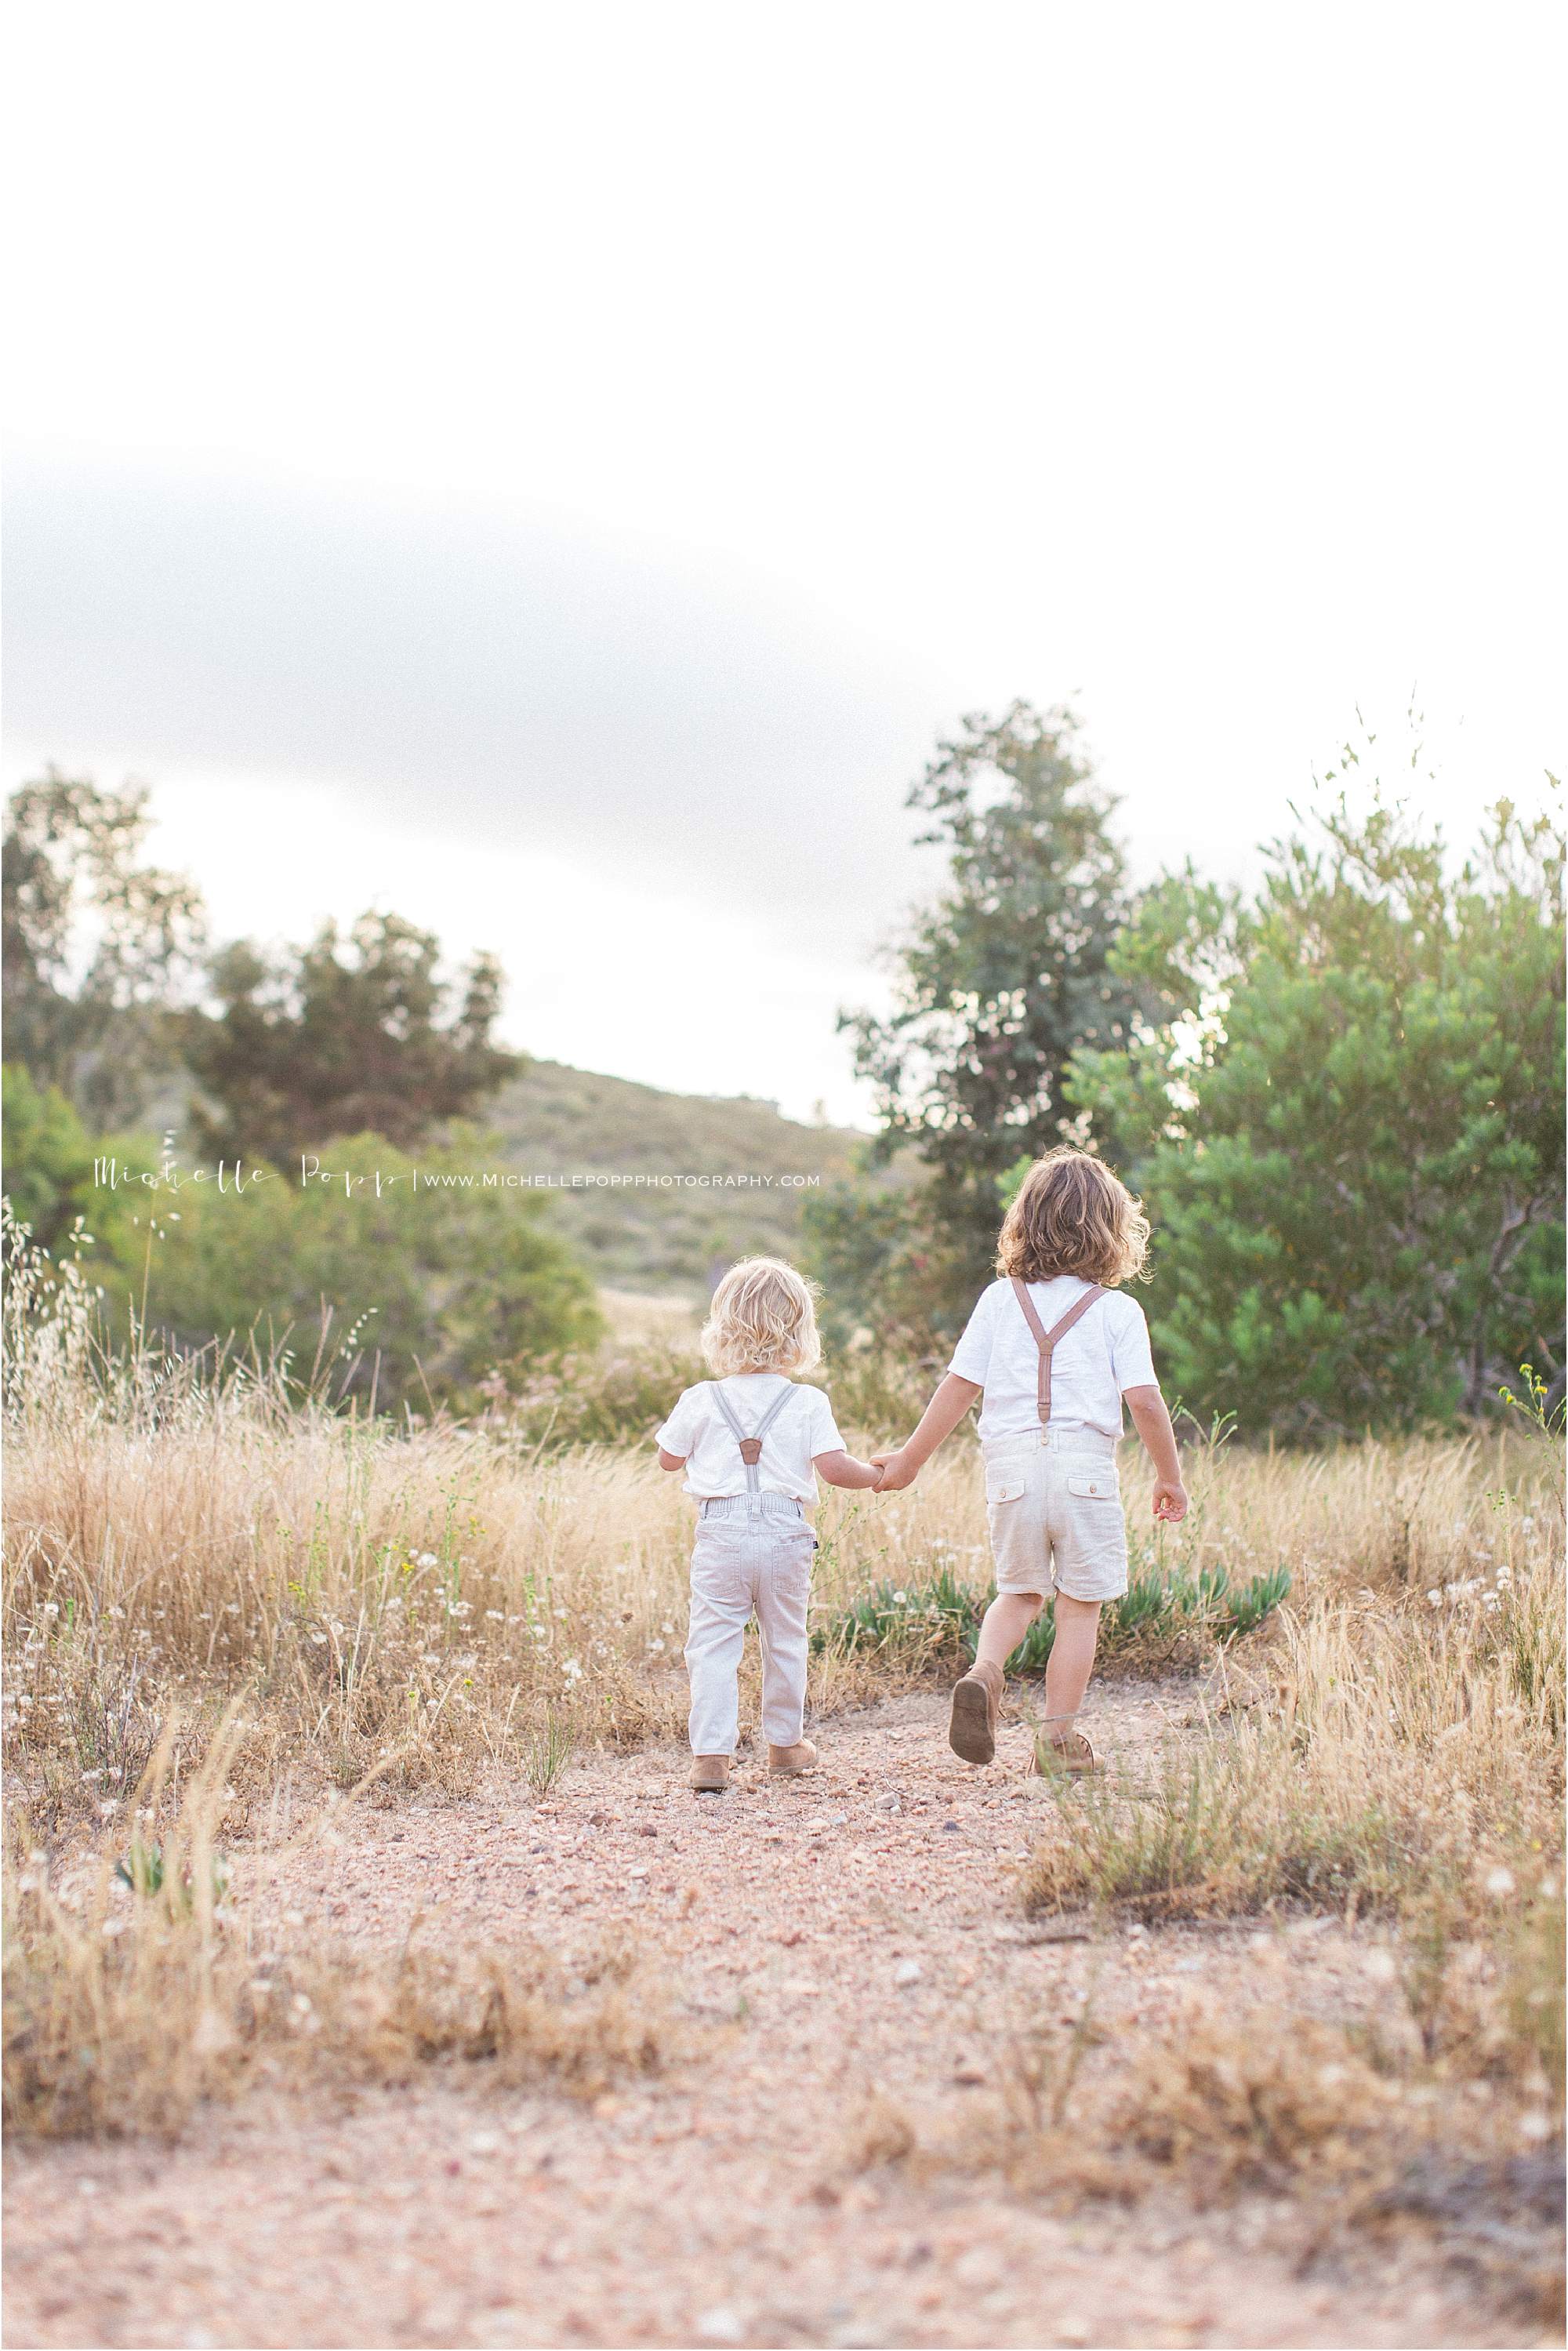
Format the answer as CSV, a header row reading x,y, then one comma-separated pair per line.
x,y
413,1296
942,1616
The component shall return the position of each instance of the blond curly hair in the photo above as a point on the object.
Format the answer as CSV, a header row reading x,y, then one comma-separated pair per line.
x,y
1072,1215
763,1318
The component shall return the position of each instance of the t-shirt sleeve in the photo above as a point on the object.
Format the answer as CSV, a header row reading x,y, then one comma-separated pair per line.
x,y
972,1355
824,1429
679,1433
1130,1358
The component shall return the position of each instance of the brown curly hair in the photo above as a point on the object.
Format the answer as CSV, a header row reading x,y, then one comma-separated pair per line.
x,y
1072,1215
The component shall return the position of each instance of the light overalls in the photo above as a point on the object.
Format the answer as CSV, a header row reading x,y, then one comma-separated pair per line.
x,y
752,1557
1053,1500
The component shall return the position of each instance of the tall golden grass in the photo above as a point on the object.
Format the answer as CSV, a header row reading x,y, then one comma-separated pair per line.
x,y
423,1602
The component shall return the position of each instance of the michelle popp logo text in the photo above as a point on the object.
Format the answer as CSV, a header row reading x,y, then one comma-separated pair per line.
x,y
234,1177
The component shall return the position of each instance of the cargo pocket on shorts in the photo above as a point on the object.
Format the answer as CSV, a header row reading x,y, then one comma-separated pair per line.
x,y
1102,1489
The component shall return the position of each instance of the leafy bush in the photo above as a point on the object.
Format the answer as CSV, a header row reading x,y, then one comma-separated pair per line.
x,y
591,1399
409,1295
1347,1123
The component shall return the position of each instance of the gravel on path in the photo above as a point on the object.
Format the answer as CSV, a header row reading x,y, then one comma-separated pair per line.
x,y
846,1936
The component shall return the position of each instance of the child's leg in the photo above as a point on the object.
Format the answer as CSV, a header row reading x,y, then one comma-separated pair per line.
x,y
1007,1620
783,1593
1072,1663
716,1635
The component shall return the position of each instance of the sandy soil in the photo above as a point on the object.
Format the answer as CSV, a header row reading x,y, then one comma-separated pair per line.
x,y
829,1936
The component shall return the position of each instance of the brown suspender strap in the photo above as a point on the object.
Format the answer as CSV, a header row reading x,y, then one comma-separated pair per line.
x,y
1046,1340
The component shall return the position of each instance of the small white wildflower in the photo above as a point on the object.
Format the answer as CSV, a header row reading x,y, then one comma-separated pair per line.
x,y
424,1559
1500,1881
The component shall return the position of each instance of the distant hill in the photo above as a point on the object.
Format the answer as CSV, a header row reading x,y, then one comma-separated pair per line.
x,y
556,1121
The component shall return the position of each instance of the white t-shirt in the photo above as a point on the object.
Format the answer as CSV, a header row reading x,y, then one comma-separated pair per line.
x,y
1106,1351
803,1427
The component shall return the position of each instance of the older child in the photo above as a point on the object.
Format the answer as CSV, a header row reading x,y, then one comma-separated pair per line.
x,y
1054,1347
753,1444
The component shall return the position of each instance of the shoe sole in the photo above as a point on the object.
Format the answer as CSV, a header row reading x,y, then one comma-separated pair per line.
x,y
969,1733
789,1770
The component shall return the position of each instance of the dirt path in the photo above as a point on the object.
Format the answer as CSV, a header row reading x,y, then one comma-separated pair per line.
x,y
848,1932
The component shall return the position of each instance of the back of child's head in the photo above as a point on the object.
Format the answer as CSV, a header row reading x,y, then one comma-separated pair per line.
x,y
762,1319
1072,1215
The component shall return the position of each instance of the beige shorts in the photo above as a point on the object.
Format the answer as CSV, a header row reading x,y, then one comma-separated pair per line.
x,y
1054,1504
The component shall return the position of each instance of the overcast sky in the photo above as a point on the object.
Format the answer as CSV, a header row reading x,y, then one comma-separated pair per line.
x,y
555,471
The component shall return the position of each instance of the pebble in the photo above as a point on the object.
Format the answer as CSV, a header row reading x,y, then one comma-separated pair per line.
x,y
907,1971
721,2325
888,1804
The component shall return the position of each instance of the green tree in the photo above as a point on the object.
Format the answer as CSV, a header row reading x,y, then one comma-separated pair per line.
x,y
1346,1119
49,1158
100,951
430,1287
347,1034
1001,979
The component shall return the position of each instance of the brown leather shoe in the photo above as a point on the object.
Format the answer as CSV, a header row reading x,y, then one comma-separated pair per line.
x,y
1073,1755
710,1775
972,1731
787,1762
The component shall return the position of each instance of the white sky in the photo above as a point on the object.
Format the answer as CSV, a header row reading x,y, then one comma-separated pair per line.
x,y
554,471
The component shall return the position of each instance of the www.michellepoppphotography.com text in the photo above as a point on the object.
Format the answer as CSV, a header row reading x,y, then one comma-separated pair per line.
x,y
237,1176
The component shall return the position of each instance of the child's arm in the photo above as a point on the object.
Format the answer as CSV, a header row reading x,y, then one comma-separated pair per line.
x,y
842,1468
1153,1423
937,1421
671,1460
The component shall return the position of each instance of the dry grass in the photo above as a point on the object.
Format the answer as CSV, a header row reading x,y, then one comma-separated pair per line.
x,y
1233,2100
143,1985
419,1603
1407,1758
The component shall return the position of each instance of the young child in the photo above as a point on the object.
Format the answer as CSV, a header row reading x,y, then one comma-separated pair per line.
x,y
1054,1347
752,1443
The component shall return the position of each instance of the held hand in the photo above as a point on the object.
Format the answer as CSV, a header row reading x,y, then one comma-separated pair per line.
x,y
893,1475
1170,1500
